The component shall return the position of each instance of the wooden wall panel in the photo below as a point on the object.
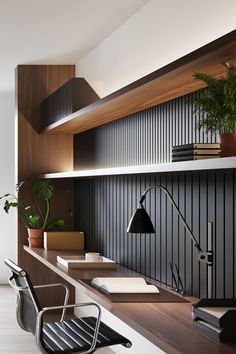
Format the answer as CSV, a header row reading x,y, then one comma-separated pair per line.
x,y
38,154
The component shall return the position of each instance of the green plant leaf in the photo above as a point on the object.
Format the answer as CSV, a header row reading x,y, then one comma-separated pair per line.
x,y
5,195
8,205
34,221
217,103
43,189
19,185
59,223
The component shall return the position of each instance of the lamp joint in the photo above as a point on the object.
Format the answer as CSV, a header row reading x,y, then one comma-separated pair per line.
x,y
206,257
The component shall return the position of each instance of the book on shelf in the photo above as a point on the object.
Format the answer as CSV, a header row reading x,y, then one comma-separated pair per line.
x,y
125,285
195,146
193,157
215,152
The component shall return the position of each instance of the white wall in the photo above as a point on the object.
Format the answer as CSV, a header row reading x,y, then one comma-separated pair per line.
x,y
157,34
8,239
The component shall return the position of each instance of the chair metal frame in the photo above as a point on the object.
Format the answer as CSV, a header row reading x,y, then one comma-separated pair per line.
x,y
39,321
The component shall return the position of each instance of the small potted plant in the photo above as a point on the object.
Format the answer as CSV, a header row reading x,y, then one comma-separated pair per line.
x,y
36,217
217,105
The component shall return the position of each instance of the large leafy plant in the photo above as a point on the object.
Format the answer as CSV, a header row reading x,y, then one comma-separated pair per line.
x,y
38,215
217,103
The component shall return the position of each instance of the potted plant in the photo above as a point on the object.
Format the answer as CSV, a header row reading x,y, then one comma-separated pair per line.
x,y
217,105
36,217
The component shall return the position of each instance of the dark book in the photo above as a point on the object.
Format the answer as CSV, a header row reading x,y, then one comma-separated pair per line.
x,y
192,157
220,334
196,152
221,313
196,146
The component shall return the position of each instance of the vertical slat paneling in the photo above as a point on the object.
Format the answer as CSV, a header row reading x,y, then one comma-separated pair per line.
x,y
145,137
229,235
220,235
104,205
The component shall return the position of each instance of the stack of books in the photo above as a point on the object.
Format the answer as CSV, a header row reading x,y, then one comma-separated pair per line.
x,y
216,318
194,151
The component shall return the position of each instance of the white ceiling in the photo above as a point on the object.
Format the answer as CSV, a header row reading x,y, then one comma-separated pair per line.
x,y
55,31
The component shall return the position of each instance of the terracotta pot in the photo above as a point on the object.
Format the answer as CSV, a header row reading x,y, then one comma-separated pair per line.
x,y
228,144
35,233
35,242
35,237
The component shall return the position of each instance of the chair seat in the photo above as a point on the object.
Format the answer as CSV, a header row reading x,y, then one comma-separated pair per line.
x,y
76,335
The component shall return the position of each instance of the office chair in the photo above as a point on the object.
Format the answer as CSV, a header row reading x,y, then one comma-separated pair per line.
x,y
76,335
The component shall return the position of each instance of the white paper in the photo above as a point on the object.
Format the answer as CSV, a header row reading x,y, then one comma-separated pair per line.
x,y
217,312
124,285
211,326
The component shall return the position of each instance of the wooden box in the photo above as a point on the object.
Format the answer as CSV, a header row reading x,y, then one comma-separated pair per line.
x,y
64,240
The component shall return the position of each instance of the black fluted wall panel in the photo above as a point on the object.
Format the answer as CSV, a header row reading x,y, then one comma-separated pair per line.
x,y
104,205
145,137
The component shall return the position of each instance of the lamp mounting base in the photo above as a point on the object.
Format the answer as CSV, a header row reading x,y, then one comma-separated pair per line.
x,y
206,257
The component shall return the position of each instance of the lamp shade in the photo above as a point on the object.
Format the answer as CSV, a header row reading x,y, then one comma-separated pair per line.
x,y
140,223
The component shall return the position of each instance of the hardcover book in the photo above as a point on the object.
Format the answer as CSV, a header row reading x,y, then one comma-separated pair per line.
x,y
196,152
196,146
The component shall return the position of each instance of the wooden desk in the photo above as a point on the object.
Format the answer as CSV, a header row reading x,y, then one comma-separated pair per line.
x,y
167,325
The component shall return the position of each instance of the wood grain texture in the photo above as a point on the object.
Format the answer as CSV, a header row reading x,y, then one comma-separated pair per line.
x,y
38,154
34,84
171,81
169,326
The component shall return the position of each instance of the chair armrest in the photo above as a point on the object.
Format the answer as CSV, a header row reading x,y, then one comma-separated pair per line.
x,y
39,323
13,284
67,292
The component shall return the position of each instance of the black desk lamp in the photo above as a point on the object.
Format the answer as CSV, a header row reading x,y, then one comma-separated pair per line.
x,y
141,223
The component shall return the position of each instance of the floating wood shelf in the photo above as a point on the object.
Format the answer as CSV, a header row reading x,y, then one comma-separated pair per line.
x,y
183,166
169,82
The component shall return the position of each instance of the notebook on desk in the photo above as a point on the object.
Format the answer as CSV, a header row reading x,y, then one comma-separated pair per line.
x,y
125,285
163,296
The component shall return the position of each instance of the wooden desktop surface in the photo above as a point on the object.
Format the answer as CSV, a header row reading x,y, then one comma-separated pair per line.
x,y
167,325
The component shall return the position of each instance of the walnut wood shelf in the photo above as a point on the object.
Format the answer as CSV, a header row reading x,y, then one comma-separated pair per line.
x,y
169,82
183,166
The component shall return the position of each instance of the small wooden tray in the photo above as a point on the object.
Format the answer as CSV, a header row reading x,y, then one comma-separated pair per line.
x,y
81,263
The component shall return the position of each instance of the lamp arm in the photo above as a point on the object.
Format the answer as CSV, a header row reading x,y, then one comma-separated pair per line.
x,y
158,186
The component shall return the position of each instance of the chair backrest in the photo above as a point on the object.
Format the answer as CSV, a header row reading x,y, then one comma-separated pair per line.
x,y
27,304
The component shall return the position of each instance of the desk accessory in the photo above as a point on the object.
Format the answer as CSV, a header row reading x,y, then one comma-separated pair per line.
x,y
173,277
178,284
93,257
64,240
124,285
80,262
216,318
140,222
163,296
